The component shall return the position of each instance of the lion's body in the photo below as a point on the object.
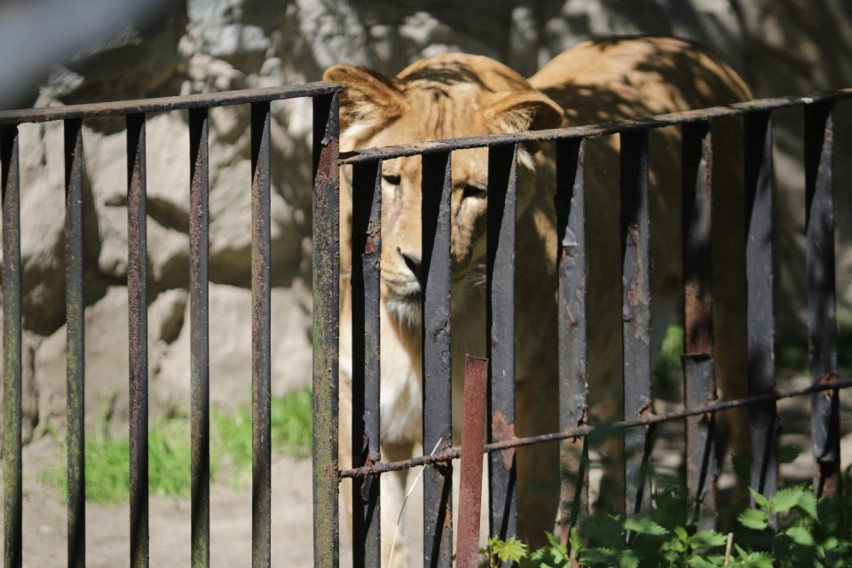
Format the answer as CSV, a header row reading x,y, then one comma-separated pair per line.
x,y
454,95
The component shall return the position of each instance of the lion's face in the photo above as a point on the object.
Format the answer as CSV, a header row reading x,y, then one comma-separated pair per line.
x,y
443,97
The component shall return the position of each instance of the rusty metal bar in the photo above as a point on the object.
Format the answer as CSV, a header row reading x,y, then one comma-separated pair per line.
x,y
760,316
573,338
587,430
261,260
437,364
822,329
326,332
12,458
137,290
577,132
500,345
161,104
366,371
75,344
199,321
636,312
473,440
698,366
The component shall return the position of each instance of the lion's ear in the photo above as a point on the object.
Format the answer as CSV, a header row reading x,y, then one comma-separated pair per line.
x,y
519,112
368,96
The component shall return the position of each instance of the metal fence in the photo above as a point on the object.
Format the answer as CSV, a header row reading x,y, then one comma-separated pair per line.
x,y
699,383
569,142
324,157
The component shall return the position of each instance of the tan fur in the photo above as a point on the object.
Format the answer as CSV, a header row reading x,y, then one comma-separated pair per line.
x,y
454,95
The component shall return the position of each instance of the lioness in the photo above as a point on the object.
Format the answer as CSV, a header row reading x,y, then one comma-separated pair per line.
x,y
454,95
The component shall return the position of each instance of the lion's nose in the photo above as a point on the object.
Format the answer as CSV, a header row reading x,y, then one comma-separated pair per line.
x,y
414,264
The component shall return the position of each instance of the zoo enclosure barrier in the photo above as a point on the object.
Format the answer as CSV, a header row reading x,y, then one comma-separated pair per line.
x,y
325,113
698,148
699,382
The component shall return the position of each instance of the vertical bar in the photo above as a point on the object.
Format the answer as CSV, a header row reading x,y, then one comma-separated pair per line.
x,y
366,372
822,330
473,439
75,367
500,322
12,460
437,365
760,314
137,290
199,343
698,371
326,331
573,338
636,314
261,243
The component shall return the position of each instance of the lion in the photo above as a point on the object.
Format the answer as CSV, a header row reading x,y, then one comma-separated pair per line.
x,y
453,95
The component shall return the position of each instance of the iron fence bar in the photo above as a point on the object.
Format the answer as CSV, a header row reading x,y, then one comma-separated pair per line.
x,y
760,314
500,343
590,131
261,260
473,438
822,329
137,290
650,420
326,331
161,104
573,338
75,344
636,310
366,370
12,457
437,188
698,365
199,247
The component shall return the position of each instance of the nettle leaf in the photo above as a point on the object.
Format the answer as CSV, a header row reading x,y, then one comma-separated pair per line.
x,y
787,498
512,549
706,562
800,535
808,504
788,453
758,498
644,525
707,539
753,519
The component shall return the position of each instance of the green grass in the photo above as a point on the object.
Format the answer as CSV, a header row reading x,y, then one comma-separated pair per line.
x,y
107,459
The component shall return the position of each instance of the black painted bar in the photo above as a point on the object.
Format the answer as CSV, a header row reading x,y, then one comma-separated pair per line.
x,y
261,258
822,327
437,364
760,315
573,337
199,322
137,290
12,459
500,322
636,313
326,295
698,365
75,344
366,371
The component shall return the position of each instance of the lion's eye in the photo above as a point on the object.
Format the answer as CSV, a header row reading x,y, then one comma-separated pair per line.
x,y
473,191
391,179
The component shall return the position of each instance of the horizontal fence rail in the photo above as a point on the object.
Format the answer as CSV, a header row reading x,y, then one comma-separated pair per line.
x,y
325,148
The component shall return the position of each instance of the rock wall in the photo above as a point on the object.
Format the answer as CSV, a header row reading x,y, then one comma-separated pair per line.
x,y
781,46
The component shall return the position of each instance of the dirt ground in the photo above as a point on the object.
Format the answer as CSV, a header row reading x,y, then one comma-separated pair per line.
x,y
107,537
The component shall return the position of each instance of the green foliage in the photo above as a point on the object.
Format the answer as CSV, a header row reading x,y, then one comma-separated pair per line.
x,y
499,551
813,532
169,450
